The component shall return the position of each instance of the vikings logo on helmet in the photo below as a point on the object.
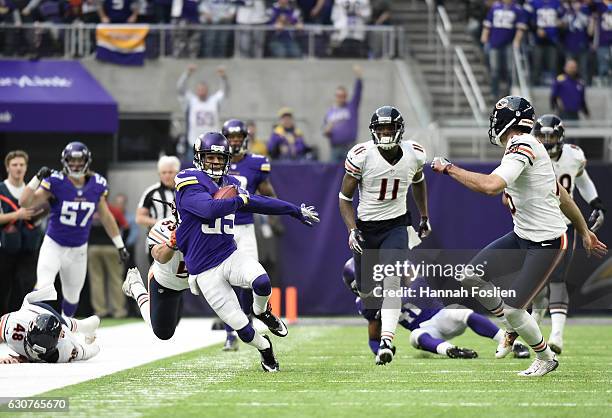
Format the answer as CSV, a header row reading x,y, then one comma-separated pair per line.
x,y
212,143
76,159
236,128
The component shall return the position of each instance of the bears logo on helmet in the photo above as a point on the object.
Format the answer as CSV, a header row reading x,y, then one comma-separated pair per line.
x,y
510,112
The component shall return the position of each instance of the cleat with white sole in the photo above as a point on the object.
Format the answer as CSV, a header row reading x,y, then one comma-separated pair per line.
x,y
132,277
540,367
231,343
274,323
505,346
268,360
385,354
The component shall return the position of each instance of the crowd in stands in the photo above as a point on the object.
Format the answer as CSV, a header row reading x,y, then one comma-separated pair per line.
x,y
283,20
550,33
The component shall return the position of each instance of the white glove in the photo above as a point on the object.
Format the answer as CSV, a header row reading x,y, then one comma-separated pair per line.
x,y
355,240
193,285
310,215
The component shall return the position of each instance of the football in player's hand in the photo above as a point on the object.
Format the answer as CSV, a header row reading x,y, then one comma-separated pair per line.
x,y
226,192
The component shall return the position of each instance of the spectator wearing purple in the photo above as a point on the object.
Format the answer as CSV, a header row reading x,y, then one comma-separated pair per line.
x,y
503,29
567,98
283,43
112,11
342,119
576,43
546,16
604,45
286,141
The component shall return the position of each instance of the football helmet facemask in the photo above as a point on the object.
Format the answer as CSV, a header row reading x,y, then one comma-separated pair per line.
x,y
212,143
236,128
42,337
387,127
550,132
76,159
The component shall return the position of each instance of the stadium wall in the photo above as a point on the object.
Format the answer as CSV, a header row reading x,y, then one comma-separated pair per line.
x,y
259,88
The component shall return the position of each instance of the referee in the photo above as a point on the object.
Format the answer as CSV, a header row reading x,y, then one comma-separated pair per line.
x,y
149,210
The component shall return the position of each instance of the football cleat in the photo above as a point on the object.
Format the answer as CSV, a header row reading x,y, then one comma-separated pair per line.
x,y
218,325
385,354
458,352
520,351
505,346
132,277
231,343
274,323
556,344
268,360
540,367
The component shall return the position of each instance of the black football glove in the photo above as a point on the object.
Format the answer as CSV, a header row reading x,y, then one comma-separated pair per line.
x,y
43,173
124,254
424,227
596,219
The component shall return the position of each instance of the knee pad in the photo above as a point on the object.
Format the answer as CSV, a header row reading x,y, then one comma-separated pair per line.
x,y
246,334
414,337
262,286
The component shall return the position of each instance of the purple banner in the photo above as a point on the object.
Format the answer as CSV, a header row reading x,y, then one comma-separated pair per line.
x,y
53,96
312,259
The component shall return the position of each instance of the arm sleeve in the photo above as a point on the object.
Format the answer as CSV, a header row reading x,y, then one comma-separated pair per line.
x,y
202,205
509,169
270,206
586,187
356,99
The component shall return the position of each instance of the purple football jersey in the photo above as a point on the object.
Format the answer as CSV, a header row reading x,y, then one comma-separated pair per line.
x,y
72,207
205,240
503,21
605,24
546,15
251,171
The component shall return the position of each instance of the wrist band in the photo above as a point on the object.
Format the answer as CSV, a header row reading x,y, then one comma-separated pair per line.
x,y
118,241
343,197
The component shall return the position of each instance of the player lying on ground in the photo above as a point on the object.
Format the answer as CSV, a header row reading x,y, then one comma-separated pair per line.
x,y
569,163
205,237
536,201
38,334
430,326
74,194
383,170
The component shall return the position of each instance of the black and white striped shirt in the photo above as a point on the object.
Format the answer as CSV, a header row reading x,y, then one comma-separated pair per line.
x,y
158,191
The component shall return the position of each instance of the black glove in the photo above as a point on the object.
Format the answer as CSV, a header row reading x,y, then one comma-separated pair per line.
x,y
596,219
124,254
43,173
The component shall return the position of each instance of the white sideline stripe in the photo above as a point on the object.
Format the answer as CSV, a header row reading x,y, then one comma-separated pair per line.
x,y
121,347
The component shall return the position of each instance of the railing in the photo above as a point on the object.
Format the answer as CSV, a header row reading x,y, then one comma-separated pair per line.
x,y
193,41
520,76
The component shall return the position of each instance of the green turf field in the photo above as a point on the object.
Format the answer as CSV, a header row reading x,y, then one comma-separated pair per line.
x,y
329,372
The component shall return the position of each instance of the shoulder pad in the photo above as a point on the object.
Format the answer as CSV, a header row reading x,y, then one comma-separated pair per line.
x,y
186,178
419,151
355,160
576,152
257,155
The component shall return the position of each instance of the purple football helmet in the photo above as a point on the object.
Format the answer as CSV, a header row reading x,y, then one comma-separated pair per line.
x,y
212,143
76,159
236,127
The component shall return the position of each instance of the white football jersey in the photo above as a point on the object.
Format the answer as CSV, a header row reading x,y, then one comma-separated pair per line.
x,y
571,162
172,274
203,116
383,187
71,346
533,197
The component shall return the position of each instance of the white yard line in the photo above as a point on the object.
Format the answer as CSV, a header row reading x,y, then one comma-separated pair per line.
x,y
122,347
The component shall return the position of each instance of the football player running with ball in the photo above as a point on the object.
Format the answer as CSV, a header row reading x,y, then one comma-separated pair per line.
x,y
74,194
205,236
569,163
537,203
383,170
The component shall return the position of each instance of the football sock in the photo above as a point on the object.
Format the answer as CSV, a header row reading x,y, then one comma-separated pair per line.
x,y
482,325
528,329
229,330
252,337
428,343
69,309
262,289
391,309
559,301
87,325
141,296
539,305
374,345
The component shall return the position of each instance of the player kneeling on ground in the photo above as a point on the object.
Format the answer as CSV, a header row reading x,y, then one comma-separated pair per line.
x,y
38,334
431,325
